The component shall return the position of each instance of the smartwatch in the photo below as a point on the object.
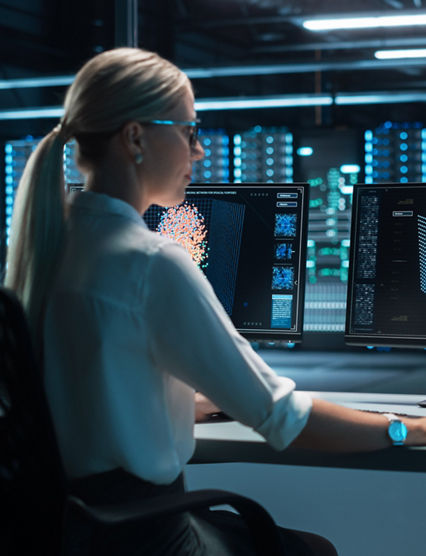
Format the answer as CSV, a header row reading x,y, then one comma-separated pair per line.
x,y
397,431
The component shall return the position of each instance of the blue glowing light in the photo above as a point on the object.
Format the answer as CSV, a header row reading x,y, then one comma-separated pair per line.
x,y
305,151
350,169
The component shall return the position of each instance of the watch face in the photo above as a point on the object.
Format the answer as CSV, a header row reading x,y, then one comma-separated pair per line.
x,y
397,432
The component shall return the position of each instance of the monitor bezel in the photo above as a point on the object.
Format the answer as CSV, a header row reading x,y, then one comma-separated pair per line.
x,y
362,339
293,336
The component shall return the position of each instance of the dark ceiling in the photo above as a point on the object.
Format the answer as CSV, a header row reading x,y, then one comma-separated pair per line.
x,y
263,38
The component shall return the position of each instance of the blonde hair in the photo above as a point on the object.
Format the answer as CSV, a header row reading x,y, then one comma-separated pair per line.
x,y
111,89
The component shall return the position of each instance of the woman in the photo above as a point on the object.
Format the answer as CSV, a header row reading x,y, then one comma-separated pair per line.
x,y
130,328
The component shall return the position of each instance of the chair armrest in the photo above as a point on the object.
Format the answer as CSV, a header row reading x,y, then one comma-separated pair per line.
x,y
265,535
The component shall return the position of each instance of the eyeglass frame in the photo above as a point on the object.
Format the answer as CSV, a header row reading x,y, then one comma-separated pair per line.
x,y
193,138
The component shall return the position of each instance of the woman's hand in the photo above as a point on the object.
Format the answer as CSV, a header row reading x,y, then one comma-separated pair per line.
x,y
203,408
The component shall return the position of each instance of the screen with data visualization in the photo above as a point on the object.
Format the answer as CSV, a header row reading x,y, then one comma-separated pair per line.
x,y
250,241
387,276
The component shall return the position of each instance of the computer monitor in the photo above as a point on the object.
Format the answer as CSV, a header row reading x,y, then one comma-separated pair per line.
x,y
386,304
250,241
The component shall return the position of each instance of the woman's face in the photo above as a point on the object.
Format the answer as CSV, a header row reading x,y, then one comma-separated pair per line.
x,y
168,156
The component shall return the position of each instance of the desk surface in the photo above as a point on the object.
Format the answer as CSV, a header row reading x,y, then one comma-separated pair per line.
x,y
233,442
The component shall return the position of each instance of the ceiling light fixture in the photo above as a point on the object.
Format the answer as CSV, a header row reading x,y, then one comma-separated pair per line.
x,y
364,22
32,113
30,82
284,101
398,54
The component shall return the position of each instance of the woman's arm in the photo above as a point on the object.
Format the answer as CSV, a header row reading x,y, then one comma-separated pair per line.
x,y
335,428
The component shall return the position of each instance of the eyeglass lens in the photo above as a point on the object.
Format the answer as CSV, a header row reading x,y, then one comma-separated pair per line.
x,y
193,136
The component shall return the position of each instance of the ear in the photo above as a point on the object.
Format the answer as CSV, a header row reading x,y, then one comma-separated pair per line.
x,y
132,136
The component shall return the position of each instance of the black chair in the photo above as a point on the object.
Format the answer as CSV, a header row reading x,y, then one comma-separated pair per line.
x,y
34,498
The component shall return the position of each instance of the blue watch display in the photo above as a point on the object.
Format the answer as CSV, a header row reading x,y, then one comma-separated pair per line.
x,y
397,431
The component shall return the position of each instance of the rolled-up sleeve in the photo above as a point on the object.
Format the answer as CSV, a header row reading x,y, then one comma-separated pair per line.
x,y
192,338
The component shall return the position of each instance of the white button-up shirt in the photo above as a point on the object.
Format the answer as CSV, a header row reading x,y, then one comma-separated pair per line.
x,y
132,328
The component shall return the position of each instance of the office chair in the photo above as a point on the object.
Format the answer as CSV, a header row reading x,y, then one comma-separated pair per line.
x,y
34,498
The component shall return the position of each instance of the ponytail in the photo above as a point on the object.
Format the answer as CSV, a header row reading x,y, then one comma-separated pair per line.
x,y
37,231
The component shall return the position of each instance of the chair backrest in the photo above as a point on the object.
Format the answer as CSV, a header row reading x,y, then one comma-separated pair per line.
x,y
32,480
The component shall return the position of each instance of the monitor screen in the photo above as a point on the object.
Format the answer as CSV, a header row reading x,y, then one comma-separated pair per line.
x,y
250,241
386,303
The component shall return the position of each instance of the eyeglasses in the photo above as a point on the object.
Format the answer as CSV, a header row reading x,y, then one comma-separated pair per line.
x,y
193,124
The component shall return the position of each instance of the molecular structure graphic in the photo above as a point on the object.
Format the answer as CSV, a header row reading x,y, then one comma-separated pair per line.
x,y
185,224
284,251
285,225
282,277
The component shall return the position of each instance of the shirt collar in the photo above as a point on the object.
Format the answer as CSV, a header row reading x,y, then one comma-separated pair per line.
x,y
100,202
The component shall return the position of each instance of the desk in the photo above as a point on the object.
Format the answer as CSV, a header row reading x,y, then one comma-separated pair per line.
x,y
233,442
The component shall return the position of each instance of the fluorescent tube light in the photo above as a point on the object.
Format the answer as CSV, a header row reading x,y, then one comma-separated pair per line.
x,y
364,22
32,113
262,102
56,81
380,98
398,54
285,101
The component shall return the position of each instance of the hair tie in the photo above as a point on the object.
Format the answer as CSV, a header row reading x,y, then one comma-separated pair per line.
x,y
60,132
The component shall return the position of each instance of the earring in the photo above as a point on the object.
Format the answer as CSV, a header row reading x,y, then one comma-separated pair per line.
x,y
138,158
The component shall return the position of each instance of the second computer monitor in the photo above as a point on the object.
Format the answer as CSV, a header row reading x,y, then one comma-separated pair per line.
x,y
387,277
250,241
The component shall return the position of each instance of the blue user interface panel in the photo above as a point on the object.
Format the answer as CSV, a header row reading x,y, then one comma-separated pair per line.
x,y
387,276
250,241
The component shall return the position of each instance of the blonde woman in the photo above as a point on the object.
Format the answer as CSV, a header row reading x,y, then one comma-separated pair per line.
x,y
126,325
